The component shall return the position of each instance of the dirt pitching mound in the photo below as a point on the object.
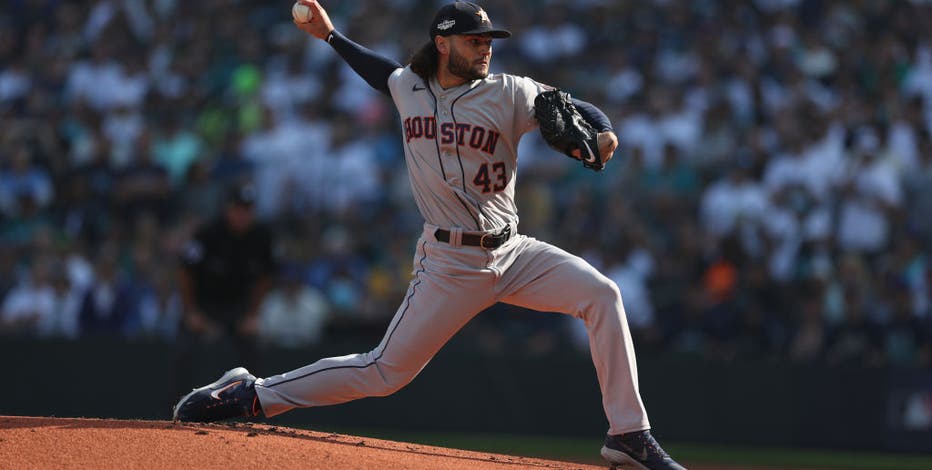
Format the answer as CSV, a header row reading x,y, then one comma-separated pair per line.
x,y
27,442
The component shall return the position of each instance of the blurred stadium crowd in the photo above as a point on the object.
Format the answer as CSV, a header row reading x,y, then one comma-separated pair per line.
x,y
772,196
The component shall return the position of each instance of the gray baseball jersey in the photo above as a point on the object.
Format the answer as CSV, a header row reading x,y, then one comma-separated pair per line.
x,y
461,146
461,151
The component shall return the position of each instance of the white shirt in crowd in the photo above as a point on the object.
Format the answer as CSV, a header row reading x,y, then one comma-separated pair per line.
x,y
816,168
547,44
28,300
284,92
290,163
631,276
293,319
864,224
104,85
729,202
354,176
14,83
682,129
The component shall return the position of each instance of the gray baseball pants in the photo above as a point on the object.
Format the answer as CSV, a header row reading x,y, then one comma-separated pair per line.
x,y
452,283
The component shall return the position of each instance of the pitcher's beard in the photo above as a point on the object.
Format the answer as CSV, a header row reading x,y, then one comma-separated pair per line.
x,y
459,66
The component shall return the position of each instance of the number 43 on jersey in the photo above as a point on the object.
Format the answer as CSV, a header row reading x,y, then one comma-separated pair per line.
x,y
496,180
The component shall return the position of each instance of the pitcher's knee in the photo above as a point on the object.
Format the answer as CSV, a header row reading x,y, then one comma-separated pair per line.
x,y
603,296
392,380
606,291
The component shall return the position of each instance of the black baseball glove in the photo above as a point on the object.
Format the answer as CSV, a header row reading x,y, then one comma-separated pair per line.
x,y
565,130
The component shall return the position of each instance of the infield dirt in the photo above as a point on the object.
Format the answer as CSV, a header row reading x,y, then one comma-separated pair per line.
x,y
51,443
108,444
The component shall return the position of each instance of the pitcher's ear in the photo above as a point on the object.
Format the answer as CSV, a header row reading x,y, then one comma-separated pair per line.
x,y
442,43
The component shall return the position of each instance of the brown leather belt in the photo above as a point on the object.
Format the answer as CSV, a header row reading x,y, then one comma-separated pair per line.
x,y
485,240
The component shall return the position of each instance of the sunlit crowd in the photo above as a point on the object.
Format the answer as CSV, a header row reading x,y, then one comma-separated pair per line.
x,y
771,197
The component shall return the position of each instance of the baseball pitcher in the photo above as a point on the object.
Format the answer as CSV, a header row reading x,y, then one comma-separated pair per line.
x,y
460,126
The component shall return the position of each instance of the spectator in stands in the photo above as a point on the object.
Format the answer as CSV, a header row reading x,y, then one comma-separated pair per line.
x,y
109,301
857,340
918,190
804,131
158,309
674,178
142,186
720,309
230,168
290,88
67,298
554,37
176,147
732,202
339,272
871,192
8,269
294,314
26,226
15,81
904,337
200,194
274,152
633,267
353,178
93,80
21,180
123,127
29,306
810,333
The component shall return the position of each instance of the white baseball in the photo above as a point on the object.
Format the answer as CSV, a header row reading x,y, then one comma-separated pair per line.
x,y
302,13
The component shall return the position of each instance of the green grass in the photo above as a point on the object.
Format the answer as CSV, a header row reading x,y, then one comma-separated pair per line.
x,y
587,451
797,458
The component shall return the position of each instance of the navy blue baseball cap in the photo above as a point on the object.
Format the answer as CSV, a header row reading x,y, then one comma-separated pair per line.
x,y
464,18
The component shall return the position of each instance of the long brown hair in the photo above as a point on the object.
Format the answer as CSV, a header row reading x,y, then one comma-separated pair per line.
x,y
424,62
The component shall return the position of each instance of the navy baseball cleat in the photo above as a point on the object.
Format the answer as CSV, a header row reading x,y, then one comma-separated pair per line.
x,y
232,396
638,450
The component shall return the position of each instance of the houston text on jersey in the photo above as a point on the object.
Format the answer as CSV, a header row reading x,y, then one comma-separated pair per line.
x,y
476,137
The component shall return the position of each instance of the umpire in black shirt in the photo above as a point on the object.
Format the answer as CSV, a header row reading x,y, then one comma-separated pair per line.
x,y
226,271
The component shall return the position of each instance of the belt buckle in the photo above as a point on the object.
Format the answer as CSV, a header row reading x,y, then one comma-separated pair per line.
x,y
500,237
482,240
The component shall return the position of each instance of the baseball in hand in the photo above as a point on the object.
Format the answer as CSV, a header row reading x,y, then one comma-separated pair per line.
x,y
302,13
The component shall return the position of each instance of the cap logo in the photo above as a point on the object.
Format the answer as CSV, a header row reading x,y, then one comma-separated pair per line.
x,y
445,24
483,16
